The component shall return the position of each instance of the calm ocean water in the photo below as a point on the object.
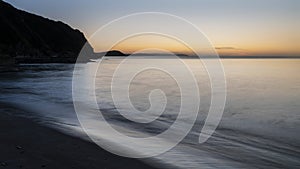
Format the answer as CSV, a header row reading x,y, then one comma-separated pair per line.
x,y
259,128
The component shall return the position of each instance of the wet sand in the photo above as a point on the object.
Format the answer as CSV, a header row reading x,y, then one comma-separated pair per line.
x,y
26,144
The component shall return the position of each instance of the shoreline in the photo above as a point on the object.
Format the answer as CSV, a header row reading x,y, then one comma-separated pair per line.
x,y
26,144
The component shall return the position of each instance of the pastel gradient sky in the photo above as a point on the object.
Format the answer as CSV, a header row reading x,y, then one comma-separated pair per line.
x,y
235,27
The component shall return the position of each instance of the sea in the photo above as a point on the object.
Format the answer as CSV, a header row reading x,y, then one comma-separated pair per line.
x,y
260,123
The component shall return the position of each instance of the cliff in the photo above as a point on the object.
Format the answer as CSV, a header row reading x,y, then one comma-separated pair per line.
x,y
29,38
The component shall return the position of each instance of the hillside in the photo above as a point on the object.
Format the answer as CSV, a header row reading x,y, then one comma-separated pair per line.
x,y
28,38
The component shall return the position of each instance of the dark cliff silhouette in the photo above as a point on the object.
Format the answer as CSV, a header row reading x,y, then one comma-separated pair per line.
x,y
29,38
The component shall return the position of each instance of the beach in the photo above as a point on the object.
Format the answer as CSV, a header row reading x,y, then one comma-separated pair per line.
x,y
40,129
26,144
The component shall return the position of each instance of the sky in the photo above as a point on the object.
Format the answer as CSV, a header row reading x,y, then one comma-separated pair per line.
x,y
234,27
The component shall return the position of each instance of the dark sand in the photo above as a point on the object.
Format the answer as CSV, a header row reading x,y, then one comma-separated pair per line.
x,y
25,144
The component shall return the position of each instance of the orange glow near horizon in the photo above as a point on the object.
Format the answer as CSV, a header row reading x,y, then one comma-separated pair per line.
x,y
151,42
140,43
272,37
261,41
248,47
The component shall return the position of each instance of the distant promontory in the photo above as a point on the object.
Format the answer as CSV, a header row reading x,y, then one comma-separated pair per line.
x,y
29,38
